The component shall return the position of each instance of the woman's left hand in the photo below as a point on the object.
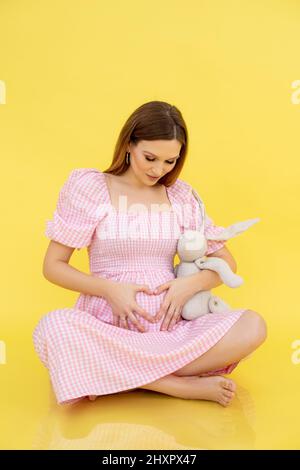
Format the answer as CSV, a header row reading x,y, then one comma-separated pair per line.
x,y
180,290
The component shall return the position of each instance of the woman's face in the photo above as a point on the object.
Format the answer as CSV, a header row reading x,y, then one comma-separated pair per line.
x,y
153,158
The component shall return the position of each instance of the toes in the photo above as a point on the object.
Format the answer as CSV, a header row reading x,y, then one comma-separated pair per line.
x,y
92,397
226,397
224,401
229,385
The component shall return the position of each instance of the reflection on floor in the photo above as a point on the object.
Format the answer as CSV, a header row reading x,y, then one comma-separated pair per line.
x,y
264,414
149,421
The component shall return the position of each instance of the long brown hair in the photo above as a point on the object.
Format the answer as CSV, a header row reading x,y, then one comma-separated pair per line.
x,y
155,120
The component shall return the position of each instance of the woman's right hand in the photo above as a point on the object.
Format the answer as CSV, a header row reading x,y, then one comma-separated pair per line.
x,y
121,297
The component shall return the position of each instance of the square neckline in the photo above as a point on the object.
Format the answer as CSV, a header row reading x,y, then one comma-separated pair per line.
x,y
148,211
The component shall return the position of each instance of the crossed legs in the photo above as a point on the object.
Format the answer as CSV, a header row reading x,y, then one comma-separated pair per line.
x,y
244,337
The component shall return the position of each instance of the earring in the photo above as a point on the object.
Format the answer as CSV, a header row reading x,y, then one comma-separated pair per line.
x,y
127,157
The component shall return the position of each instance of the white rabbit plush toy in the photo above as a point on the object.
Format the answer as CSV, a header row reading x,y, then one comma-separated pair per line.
x,y
191,249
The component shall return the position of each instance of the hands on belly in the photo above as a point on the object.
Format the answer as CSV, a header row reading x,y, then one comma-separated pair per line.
x,y
176,293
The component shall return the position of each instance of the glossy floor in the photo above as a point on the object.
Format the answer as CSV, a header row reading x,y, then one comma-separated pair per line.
x,y
264,414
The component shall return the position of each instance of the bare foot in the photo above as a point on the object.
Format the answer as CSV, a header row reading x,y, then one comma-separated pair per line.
x,y
92,397
215,388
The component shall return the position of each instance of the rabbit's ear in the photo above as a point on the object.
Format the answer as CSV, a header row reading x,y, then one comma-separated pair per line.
x,y
233,230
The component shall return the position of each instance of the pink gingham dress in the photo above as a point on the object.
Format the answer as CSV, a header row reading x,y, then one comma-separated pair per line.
x,y
86,354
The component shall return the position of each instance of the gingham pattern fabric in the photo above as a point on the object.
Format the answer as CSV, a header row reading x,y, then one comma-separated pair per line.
x,y
83,351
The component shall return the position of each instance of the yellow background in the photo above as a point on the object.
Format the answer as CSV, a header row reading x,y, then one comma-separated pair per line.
x,y
74,71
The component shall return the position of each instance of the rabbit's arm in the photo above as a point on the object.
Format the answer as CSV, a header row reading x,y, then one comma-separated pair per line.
x,y
226,255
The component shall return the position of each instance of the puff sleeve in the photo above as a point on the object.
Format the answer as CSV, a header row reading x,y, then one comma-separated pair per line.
x,y
78,209
209,227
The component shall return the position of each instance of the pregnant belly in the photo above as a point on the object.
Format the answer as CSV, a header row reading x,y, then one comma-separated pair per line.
x,y
100,308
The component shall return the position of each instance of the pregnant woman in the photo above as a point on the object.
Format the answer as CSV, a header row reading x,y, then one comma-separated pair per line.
x,y
125,330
